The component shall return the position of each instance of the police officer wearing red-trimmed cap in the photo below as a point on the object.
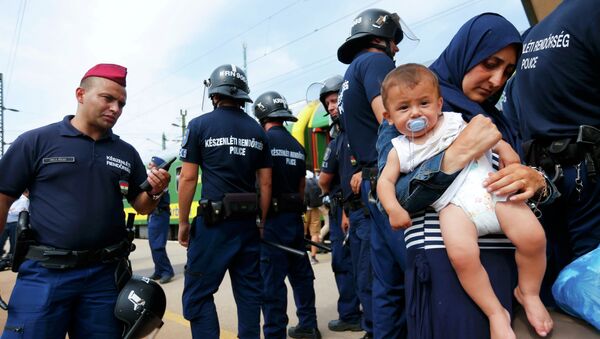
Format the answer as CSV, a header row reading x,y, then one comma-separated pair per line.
x,y
158,232
77,172
233,151
284,226
370,50
348,304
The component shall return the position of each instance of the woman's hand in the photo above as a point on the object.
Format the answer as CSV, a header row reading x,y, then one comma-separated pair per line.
x,y
517,179
478,136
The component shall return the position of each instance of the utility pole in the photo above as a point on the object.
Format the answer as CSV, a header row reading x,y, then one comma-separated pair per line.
x,y
2,109
183,125
164,141
244,49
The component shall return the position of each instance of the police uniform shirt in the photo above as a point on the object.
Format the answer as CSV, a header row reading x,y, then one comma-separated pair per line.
x,y
76,184
289,164
229,146
561,60
347,164
331,166
362,83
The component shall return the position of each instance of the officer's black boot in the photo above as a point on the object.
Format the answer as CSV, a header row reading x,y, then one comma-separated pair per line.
x,y
304,332
339,325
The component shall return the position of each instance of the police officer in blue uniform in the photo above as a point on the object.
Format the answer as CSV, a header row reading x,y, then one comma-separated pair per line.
x,y
77,172
357,215
233,151
348,304
370,50
158,233
553,101
284,226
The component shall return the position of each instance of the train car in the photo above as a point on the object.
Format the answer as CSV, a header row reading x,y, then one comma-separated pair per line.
x,y
141,221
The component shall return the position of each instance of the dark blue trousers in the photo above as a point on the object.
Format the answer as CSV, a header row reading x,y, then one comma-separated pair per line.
x,y
49,303
10,229
388,259
275,265
572,224
348,304
234,246
158,233
360,248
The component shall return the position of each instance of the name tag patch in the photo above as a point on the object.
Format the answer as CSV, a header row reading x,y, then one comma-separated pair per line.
x,y
57,160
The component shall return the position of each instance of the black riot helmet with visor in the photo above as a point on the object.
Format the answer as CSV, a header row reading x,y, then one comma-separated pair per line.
x,y
272,106
331,85
229,81
369,24
141,304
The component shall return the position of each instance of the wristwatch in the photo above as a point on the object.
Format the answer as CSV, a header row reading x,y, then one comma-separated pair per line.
x,y
155,196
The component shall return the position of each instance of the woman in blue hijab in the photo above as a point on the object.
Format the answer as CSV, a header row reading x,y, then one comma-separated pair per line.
x,y
472,71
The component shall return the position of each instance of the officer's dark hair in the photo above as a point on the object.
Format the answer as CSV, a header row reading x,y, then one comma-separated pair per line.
x,y
409,75
223,100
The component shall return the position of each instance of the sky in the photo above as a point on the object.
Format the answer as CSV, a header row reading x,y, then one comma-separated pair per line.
x,y
170,47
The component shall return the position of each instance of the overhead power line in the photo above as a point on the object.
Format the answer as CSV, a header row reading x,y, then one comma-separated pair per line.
x,y
15,43
312,65
215,48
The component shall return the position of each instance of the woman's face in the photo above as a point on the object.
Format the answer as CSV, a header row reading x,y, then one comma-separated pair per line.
x,y
488,76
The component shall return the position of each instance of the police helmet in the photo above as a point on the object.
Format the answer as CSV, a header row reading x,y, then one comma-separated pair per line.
x,y
331,85
271,105
370,23
140,305
229,81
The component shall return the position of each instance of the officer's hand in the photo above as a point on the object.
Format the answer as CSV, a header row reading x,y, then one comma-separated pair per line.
x,y
159,180
184,234
515,178
345,222
355,182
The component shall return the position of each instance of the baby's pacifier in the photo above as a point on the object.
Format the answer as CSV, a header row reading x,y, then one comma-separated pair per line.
x,y
417,125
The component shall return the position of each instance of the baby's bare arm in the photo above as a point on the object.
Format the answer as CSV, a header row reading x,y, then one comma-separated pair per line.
x,y
386,192
506,153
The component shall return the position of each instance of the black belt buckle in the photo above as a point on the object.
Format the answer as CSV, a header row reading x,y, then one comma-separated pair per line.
x,y
54,258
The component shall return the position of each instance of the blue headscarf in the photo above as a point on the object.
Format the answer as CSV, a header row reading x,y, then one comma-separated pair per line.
x,y
476,40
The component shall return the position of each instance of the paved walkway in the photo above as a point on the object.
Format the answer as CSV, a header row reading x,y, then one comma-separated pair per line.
x,y
177,327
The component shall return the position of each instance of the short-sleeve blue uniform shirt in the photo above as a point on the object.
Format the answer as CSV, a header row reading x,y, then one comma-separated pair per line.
x,y
362,84
557,84
331,165
76,184
229,146
289,161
